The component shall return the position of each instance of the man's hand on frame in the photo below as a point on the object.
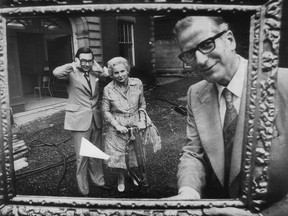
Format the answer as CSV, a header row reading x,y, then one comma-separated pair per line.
x,y
185,194
229,211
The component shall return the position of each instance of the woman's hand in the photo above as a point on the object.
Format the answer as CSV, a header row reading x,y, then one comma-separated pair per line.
x,y
121,129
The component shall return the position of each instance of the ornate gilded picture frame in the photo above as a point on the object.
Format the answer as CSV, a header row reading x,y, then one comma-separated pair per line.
x,y
263,58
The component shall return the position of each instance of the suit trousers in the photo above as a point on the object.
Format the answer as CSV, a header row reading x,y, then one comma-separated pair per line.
x,y
88,167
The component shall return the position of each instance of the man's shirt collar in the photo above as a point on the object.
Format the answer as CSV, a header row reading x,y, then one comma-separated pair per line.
x,y
236,84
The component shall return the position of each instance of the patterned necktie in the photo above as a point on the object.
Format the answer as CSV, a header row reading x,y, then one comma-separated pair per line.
x,y
229,128
86,75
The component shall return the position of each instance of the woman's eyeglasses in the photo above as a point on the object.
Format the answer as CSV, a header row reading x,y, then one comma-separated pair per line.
x,y
204,47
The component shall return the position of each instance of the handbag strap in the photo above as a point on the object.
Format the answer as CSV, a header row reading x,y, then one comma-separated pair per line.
x,y
145,114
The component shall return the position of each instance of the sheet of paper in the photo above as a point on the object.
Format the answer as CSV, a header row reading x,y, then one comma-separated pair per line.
x,y
87,149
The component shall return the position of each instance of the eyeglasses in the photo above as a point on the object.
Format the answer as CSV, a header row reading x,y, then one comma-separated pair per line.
x,y
84,61
204,47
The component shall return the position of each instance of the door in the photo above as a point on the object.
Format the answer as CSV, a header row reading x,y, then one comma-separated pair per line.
x,y
31,58
59,53
14,76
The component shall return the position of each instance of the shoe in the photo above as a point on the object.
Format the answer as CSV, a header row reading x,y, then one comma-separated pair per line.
x,y
84,195
135,182
121,186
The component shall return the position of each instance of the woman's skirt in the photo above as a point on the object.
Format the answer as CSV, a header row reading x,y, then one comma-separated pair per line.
x,y
115,143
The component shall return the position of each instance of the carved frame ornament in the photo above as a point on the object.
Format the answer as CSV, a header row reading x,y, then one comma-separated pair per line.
x,y
264,59
263,66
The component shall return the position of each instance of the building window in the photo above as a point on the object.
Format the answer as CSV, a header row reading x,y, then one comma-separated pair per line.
x,y
126,41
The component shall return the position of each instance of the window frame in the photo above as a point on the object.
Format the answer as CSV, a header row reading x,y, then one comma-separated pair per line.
x,y
131,41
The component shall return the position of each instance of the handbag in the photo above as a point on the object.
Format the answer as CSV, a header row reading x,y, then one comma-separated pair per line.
x,y
151,134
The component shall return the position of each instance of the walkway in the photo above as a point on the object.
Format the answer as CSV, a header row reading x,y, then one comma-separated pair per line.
x,y
37,108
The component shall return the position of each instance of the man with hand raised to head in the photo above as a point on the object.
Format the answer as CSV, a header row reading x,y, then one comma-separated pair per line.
x,y
83,114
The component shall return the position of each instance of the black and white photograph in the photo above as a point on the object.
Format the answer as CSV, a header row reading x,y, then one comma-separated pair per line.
x,y
144,107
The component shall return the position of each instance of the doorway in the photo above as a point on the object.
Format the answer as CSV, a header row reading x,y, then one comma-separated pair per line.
x,y
59,53
36,47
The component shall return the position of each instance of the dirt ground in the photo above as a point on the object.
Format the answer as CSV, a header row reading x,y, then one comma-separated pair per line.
x,y
47,174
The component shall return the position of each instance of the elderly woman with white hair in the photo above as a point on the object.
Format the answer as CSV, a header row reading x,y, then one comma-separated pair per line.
x,y
122,99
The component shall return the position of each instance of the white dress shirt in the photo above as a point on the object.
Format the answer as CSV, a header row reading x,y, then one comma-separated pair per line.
x,y
236,87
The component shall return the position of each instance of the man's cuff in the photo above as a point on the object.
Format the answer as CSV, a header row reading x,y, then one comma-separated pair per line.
x,y
189,190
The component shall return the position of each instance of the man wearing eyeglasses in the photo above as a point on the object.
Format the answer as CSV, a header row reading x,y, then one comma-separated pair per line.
x,y
83,114
210,164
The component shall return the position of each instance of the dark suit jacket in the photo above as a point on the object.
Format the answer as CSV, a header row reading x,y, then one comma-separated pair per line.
x,y
202,162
